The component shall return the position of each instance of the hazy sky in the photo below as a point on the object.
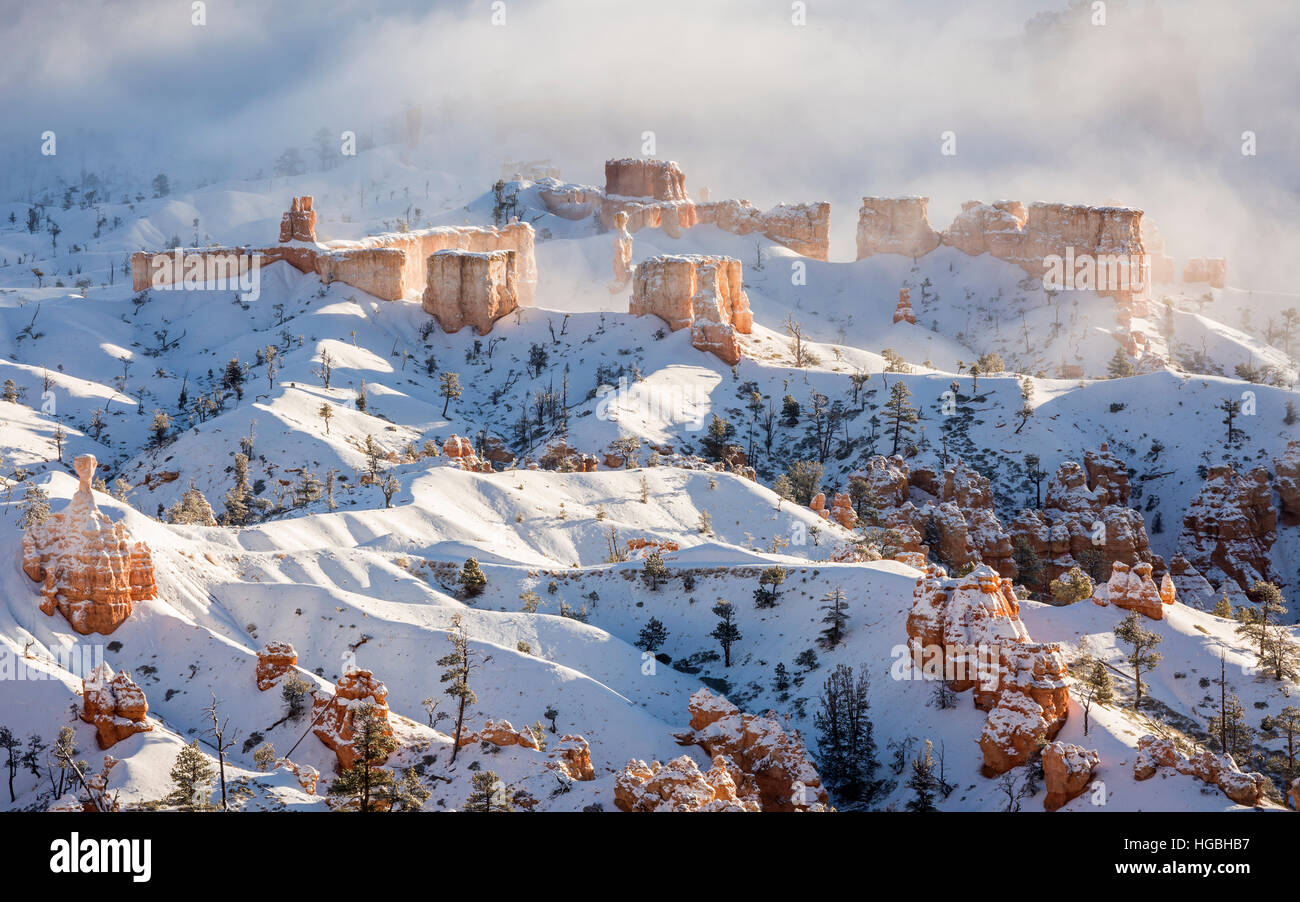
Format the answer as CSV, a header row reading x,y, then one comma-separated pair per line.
x,y
1147,109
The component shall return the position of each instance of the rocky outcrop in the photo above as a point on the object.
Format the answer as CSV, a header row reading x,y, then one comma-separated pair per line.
x,y
1217,770
500,733
1029,236
572,757
768,762
679,786
622,253
88,567
702,292
334,716
895,225
1067,769
957,518
967,631
561,456
804,228
115,705
1133,589
567,201
657,179
390,266
1163,268
1287,470
460,452
274,661
1206,270
1231,525
841,510
299,222
1295,793
1084,516
903,312
467,288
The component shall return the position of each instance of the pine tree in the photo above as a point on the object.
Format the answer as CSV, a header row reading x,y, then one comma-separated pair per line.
x,y
472,579
653,572
1120,366
899,413
365,783
409,793
836,619
726,632
192,775
1029,569
233,378
489,793
1143,656
789,411
36,506
846,737
1223,608
449,389
238,499
326,413
781,681
158,429
192,510
1229,731
460,663
765,596
1073,586
653,635
923,782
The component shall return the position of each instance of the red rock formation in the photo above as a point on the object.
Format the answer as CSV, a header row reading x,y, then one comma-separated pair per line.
x,y
1295,793
804,228
390,266
762,751
640,547
1133,589
659,179
560,456
573,757
1230,525
679,786
334,716
467,288
299,223
903,312
967,631
460,451
1008,231
1201,270
501,733
705,293
1287,468
1217,770
114,704
573,202
1085,511
842,511
89,568
274,661
895,225
622,253
308,776
1163,267
1067,769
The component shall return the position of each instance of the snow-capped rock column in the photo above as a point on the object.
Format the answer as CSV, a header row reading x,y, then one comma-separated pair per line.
x,y
89,568
467,288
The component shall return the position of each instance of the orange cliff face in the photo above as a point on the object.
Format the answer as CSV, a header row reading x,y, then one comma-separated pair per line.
x,y
115,705
88,567
967,631
334,725
390,266
703,292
